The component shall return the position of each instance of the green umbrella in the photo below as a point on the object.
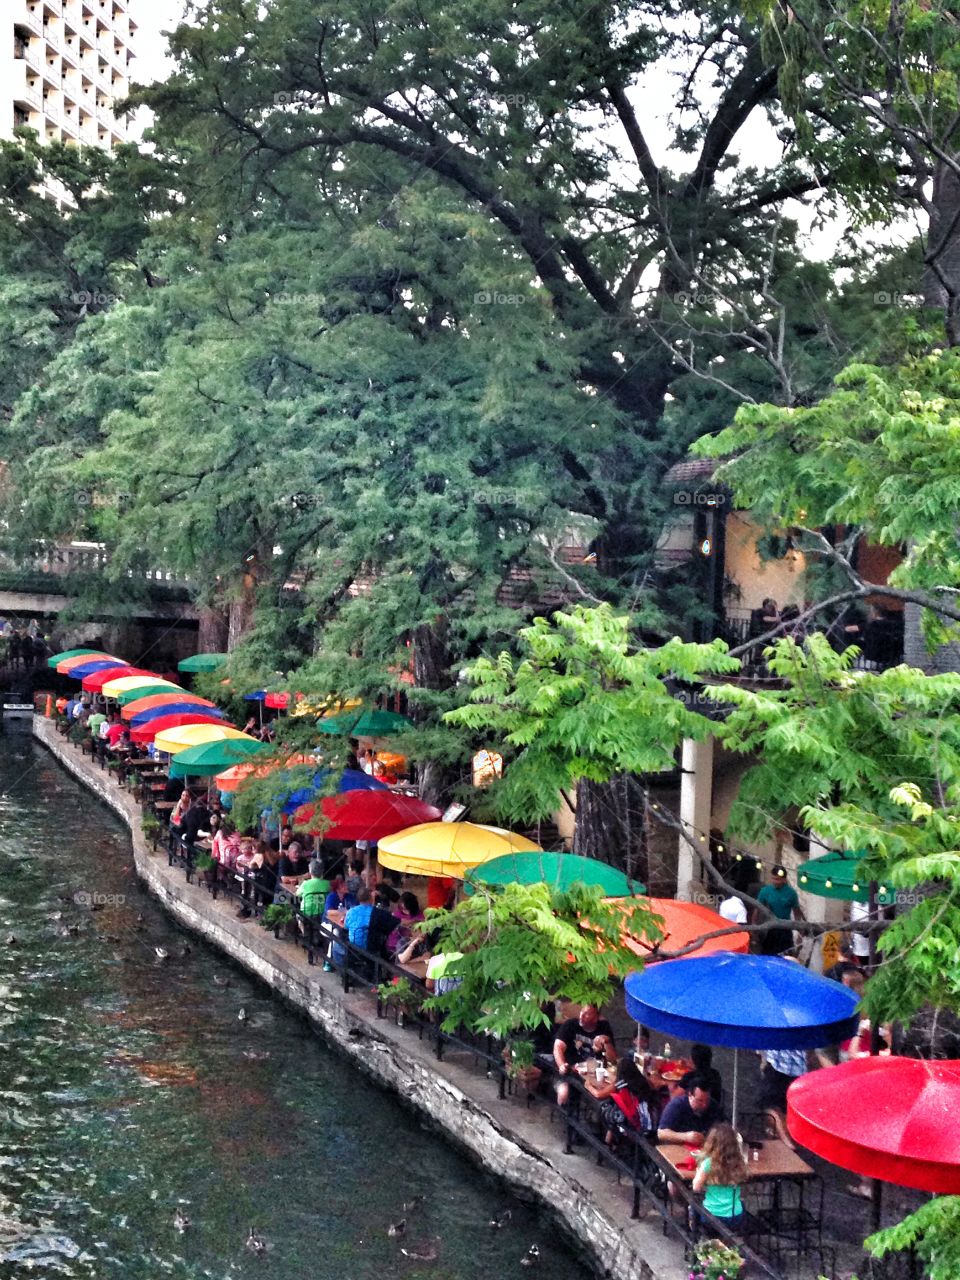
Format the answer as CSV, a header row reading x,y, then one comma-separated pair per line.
x,y
365,724
202,662
69,653
214,757
147,690
837,875
559,870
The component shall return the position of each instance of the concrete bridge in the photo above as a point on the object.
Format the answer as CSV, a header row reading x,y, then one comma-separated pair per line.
x,y
157,623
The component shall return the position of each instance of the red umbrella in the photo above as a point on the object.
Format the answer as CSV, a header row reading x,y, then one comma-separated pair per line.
x,y
95,681
366,815
888,1118
147,732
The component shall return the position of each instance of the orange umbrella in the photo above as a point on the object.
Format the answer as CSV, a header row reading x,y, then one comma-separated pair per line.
x,y
153,700
65,667
683,922
232,778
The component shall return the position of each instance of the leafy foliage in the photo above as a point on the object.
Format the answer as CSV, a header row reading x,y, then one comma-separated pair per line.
x,y
583,702
523,945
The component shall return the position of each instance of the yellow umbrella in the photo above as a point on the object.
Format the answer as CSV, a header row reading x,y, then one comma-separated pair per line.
x,y
195,735
113,688
448,848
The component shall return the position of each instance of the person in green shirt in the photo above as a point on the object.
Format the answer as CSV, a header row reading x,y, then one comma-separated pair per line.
x,y
722,1171
780,899
312,893
94,723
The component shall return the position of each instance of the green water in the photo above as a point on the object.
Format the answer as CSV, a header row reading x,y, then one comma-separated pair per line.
x,y
129,1087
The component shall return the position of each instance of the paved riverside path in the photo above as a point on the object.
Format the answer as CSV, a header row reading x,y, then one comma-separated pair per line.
x,y
509,1139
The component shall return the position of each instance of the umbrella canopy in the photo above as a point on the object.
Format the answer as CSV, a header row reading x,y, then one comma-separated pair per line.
x,y
210,758
169,698
836,875
280,701
364,815
742,1001
66,665
182,706
148,730
350,780
448,848
257,696
559,870
95,681
116,685
145,690
889,1118
232,779
55,659
683,923
175,740
364,724
202,662
77,668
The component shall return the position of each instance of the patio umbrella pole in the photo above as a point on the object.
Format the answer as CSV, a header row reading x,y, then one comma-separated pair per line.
x,y
876,1187
736,1073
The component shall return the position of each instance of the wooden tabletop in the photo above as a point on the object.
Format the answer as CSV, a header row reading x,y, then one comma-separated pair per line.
x,y
416,968
163,805
775,1160
141,762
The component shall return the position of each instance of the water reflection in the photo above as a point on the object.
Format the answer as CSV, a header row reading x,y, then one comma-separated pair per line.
x,y
130,1089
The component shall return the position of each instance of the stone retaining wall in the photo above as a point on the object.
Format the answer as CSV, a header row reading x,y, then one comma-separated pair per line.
x,y
510,1140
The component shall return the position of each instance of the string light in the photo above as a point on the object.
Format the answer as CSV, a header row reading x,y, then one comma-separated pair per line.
x,y
828,884
855,887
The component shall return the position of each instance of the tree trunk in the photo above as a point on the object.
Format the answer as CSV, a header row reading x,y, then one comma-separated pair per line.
x,y
612,824
214,631
436,780
941,282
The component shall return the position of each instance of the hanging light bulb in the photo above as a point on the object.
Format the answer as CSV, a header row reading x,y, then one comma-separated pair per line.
x,y
855,887
706,546
828,884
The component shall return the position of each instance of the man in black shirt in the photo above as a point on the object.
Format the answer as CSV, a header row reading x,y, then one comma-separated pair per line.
x,y
577,1039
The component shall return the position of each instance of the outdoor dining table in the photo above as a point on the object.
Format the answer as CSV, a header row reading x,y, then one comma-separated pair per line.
x,y
768,1161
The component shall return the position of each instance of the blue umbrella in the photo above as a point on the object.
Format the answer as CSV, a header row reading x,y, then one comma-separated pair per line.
x,y
743,1002
255,697
350,780
174,709
88,668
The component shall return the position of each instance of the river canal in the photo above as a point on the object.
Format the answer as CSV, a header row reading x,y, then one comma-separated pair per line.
x,y
132,1089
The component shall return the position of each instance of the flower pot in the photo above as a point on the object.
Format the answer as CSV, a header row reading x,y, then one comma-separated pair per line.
x,y
528,1078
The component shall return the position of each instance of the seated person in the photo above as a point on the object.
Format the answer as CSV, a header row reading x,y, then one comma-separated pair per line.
x,y
702,1058
362,925
629,1103
639,1051
312,892
406,914
294,866
688,1117
721,1173
578,1039
438,980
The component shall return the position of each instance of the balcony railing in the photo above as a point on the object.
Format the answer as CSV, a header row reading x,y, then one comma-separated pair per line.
x,y
23,16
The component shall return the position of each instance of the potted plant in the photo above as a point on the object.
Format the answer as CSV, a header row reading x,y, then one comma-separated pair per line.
x,y
150,826
520,1066
279,915
714,1260
402,995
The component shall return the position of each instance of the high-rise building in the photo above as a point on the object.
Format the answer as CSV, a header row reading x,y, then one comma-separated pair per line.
x,y
63,65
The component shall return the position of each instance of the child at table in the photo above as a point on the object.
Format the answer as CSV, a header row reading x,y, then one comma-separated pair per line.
x,y
722,1171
